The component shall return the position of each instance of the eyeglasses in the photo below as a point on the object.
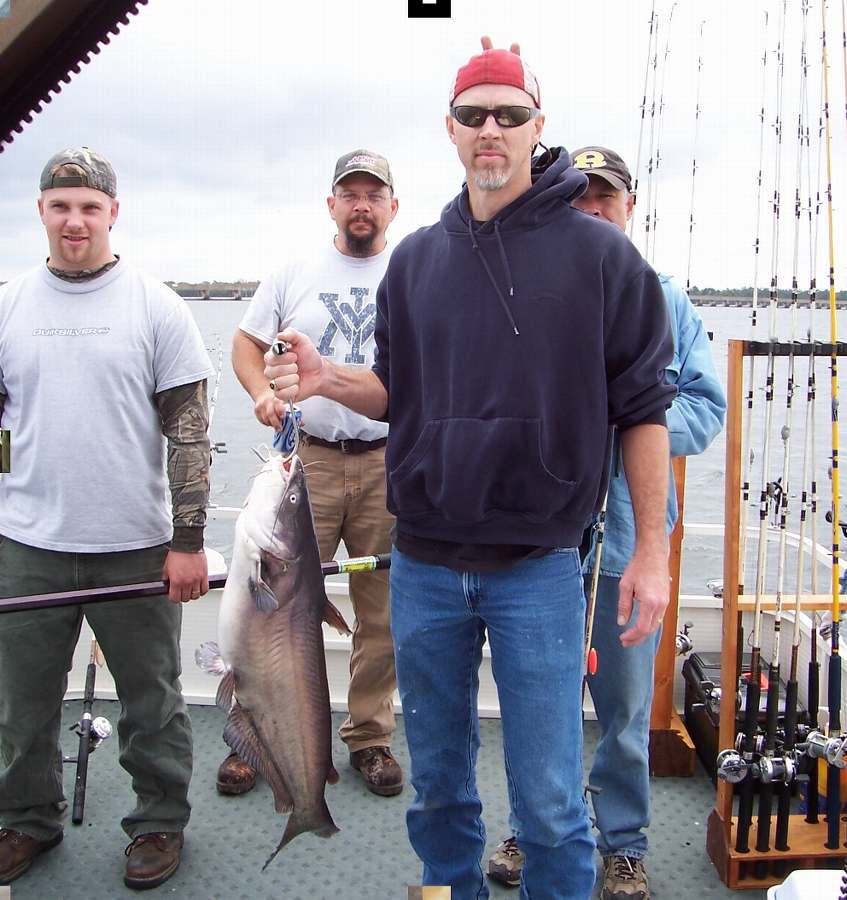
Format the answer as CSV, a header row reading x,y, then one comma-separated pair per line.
x,y
504,116
372,199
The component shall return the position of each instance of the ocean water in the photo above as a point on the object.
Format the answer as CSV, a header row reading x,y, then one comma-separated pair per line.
x,y
233,422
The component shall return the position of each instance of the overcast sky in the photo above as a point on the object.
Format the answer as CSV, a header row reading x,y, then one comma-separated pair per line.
x,y
224,120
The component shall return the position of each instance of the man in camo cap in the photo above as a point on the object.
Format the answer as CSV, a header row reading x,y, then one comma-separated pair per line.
x,y
79,167
100,367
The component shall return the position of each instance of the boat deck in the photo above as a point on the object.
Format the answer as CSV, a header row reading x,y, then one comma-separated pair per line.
x,y
229,838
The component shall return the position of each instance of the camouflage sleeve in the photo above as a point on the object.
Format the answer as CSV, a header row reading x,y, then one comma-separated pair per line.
x,y
184,412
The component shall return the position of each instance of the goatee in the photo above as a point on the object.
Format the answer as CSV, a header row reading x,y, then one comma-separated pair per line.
x,y
490,180
360,244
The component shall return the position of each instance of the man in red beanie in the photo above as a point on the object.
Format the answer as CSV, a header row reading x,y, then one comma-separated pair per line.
x,y
512,336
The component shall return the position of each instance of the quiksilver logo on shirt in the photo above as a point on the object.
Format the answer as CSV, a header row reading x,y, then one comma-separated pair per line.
x,y
68,332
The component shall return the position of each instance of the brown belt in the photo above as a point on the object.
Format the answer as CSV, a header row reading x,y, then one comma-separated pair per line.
x,y
348,445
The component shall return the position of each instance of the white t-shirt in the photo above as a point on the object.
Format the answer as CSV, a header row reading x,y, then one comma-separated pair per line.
x,y
79,364
331,298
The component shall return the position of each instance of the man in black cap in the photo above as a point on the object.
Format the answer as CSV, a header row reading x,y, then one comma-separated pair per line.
x,y
100,367
330,294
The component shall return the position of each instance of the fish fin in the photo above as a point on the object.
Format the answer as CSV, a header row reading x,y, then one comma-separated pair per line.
x,y
332,775
263,596
240,734
319,822
223,698
334,618
208,658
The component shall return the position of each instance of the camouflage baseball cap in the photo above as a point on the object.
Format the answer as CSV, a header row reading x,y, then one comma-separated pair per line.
x,y
363,161
91,170
605,163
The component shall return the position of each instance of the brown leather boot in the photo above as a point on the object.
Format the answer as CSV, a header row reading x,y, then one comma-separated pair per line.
x,y
235,776
152,859
380,770
17,851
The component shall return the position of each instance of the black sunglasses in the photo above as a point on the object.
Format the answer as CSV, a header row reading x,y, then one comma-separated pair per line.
x,y
504,116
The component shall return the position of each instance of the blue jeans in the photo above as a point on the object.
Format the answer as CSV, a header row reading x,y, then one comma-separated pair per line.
x,y
622,691
534,614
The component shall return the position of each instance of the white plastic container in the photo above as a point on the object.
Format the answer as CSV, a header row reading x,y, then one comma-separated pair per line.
x,y
809,884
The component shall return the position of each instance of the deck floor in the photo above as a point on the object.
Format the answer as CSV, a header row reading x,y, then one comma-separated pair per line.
x,y
229,838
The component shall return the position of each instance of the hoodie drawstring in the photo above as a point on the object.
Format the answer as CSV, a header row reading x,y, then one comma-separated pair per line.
x,y
490,274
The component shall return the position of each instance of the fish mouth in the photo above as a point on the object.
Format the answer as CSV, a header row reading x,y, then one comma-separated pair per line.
x,y
287,561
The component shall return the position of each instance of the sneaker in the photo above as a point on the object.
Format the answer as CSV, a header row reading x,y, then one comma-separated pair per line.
x,y
506,863
152,859
624,878
380,770
18,850
235,776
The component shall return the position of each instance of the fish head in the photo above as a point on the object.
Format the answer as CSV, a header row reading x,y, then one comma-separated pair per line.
x,y
277,515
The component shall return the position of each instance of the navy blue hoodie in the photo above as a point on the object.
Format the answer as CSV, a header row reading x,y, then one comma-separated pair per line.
x,y
508,349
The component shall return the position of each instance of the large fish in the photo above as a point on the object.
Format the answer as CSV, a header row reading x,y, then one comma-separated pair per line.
x,y
270,649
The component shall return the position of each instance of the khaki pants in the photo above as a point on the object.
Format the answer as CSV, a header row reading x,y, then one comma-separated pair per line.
x,y
140,640
347,492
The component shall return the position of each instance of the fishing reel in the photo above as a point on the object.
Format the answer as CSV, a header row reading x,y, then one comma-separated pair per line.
x,y
99,731
684,641
833,749
778,769
731,766
759,743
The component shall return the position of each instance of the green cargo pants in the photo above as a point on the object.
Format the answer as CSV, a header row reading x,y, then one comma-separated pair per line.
x,y
140,640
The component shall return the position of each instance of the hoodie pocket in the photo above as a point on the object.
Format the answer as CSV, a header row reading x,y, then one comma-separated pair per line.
x,y
469,470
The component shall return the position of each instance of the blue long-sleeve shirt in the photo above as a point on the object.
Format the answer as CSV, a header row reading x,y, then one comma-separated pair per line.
x,y
694,419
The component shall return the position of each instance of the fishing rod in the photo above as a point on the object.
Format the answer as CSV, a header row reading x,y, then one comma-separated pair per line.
x,y
788,760
652,144
92,732
751,745
813,675
590,660
654,200
694,159
833,781
643,112
766,761
216,446
747,452
154,588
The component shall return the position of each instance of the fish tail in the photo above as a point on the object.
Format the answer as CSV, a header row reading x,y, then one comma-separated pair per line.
x,y
318,821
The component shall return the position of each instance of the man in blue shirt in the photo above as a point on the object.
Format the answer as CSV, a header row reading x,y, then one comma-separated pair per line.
x,y
622,688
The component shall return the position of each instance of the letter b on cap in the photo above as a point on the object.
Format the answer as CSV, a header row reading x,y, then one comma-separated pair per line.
x,y
429,9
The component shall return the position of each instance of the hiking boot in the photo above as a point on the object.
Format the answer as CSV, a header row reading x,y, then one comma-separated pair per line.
x,y
380,770
17,851
152,859
235,776
624,878
506,862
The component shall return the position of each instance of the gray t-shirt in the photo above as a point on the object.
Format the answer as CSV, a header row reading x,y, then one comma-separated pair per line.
x,y
80,364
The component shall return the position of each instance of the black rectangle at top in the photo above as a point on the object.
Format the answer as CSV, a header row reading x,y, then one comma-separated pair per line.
x,y
429,9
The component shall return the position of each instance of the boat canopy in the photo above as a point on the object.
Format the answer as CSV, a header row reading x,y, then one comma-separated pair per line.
x,y
43,43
